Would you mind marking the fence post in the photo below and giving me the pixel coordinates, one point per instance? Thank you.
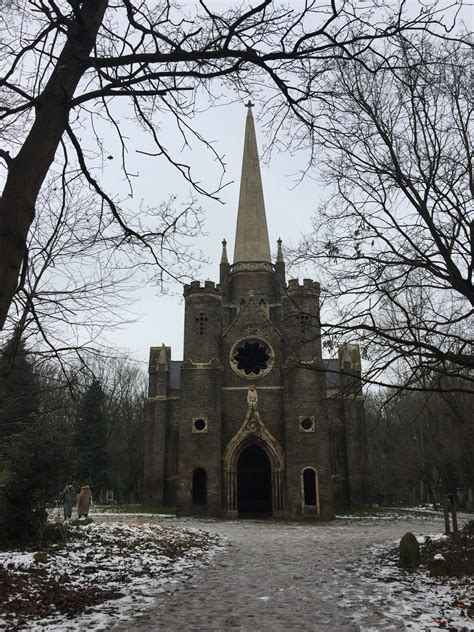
(447, 526)
(452, 502)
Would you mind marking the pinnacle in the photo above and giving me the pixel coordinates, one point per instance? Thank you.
(224, 252)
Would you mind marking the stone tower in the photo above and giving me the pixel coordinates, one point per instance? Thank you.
(253, 420)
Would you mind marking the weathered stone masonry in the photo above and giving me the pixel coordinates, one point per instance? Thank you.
(253, 420)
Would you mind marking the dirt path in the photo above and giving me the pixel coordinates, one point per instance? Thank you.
(286, 576)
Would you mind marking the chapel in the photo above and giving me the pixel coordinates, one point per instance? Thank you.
(253, 421)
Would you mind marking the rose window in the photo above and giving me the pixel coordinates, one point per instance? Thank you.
(251, 358)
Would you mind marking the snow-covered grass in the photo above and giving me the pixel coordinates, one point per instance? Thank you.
(104, 573)
(133, 509)
(384, 514)
(416, 514)
(113, 568)
(426, 603)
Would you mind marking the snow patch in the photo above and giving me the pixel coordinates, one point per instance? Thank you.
(134, 561)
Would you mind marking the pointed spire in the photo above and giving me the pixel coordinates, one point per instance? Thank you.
(251, 239)
(279, 251)
(224, 252)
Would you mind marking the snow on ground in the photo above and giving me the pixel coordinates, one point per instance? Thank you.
(416, 514)
(425, 603)
(102, 575)
(283, 576)
(275, 575)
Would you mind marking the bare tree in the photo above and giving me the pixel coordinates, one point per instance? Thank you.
(420, 446)
(125, 387)
(66, 65)
(394, 244)
(81, 279)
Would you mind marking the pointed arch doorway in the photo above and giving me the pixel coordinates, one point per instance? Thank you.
(254, 463)
(254, 483)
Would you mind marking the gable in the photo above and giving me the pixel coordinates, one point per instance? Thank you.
(251, 320)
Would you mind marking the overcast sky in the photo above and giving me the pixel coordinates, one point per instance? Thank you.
(289, 208)
(290, 203)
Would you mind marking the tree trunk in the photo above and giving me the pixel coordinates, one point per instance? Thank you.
(27, 171)
(431, 495)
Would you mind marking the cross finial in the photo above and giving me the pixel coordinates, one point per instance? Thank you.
(249, 104)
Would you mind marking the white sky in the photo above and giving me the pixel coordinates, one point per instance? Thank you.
(289, 207)
(290, 204)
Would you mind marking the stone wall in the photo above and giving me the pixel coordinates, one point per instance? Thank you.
(292, 398)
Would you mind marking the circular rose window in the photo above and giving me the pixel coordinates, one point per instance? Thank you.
(252, 358)
(307, 424)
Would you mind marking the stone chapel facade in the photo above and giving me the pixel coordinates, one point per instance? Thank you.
(253, 421)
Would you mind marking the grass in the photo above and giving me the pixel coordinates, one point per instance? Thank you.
(80, 522)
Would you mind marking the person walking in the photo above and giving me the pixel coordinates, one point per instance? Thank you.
(85, 501)
(68, 496)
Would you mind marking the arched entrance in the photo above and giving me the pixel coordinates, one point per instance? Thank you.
(254, 463)
(254, 482)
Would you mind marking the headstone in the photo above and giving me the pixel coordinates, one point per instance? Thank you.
(409, 551)
(41, 557)
(437, 566)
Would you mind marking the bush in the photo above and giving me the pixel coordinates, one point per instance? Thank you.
(80, 522)
(35, 461)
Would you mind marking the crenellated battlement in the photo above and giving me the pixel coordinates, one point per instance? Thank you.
(308, 286)
(252, 364)
(208, 287)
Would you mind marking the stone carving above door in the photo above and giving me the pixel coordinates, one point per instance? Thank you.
(253, 428)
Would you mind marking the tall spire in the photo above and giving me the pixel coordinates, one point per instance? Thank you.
(251, 239)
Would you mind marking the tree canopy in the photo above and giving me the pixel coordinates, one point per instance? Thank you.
(394, 241)
(66, 65)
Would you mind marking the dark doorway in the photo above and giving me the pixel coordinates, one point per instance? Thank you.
(254, 483)
(310, 492)
(199, 487)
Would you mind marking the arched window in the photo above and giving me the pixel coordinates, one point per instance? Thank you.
(309, 488)
(199, 486)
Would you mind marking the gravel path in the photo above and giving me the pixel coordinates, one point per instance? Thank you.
(276, 576)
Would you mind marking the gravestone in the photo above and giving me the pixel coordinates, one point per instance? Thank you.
(409, 551)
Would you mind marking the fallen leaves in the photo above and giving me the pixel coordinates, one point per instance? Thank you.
(98, 563)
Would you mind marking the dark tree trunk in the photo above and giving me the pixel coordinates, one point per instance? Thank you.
(28, 169)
